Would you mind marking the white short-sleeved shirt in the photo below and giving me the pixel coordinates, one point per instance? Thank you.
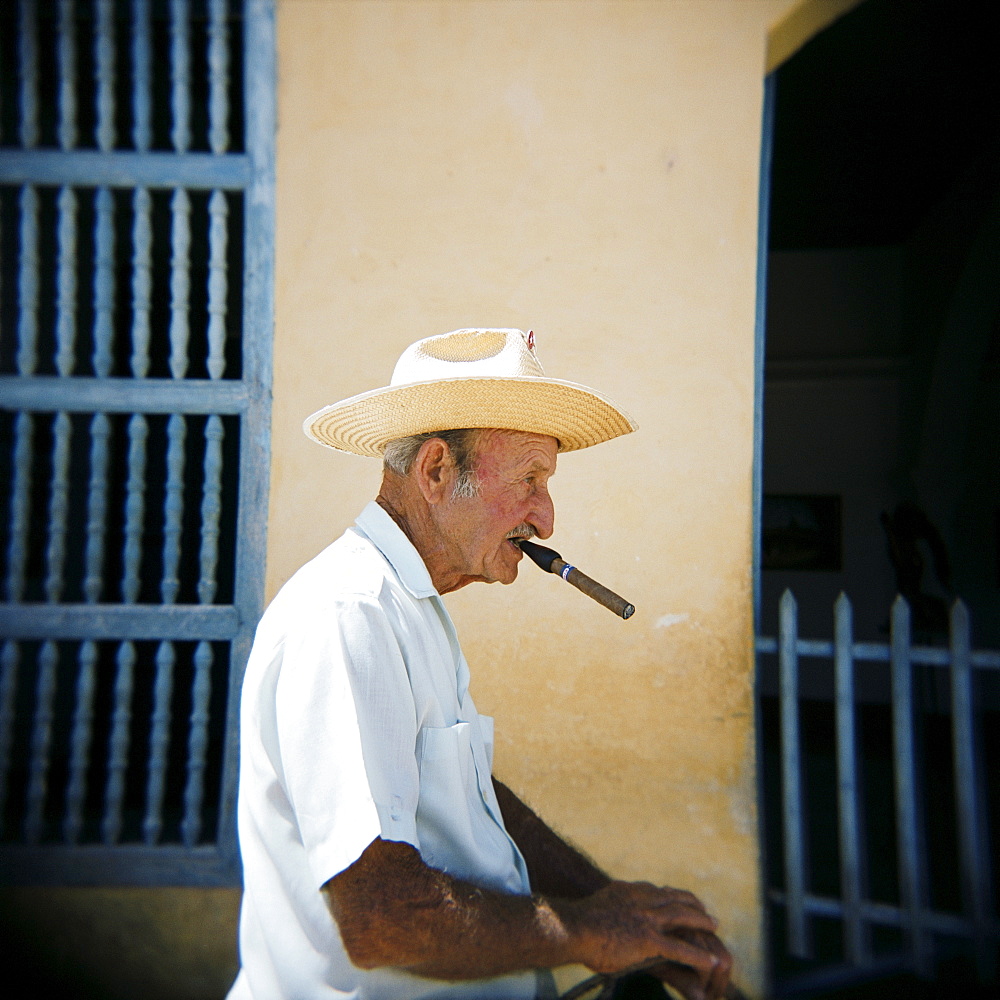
(356, 723)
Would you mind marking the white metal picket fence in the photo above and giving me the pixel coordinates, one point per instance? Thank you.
(910, 839)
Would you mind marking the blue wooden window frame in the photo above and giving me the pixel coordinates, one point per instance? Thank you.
(111, 691)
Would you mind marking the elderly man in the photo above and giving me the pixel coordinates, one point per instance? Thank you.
(381, 859)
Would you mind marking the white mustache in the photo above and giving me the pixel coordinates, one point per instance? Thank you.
(524, 531)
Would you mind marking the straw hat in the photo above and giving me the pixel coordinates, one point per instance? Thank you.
(469, 378)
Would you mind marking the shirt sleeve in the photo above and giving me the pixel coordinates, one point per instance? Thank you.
(347, 731)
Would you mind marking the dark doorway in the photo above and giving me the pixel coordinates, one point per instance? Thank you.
(882, 350)
(881, 409)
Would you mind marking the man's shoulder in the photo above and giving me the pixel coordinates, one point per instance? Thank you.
(344, 589)
(350, 568)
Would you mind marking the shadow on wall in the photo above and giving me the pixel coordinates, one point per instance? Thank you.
(118, 944)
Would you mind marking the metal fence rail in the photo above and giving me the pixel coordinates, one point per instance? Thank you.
(924, 932)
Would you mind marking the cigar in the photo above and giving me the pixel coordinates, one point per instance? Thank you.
(551, 561)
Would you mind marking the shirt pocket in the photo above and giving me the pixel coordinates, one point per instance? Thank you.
(456, 830)
(486, 729)
(447, 767)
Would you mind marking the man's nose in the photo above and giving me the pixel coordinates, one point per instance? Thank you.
(543, 516)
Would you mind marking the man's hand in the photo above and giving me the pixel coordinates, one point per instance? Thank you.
(630, 923)
(694, 984)
(558, 870)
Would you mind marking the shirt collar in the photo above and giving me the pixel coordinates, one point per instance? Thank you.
(383, 532)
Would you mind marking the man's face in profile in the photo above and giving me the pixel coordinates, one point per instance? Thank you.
(511, 470)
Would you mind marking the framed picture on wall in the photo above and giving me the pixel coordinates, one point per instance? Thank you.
(801, 532)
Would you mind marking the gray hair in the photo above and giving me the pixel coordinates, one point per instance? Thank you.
(399, 455)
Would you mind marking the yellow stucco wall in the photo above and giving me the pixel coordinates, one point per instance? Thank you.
(590, 171)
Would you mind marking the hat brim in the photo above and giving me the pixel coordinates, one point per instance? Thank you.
(576, 415)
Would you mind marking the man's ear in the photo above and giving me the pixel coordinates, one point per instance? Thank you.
(434, 471)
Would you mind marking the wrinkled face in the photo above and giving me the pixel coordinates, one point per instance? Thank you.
(512, 471)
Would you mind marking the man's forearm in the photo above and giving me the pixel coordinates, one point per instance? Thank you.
(555, 867)
(394, 910)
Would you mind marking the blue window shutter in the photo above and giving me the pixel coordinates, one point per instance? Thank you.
(136, 311)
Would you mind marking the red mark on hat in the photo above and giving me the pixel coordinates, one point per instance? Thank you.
(531, 340)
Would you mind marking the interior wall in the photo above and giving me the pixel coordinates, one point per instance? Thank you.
(834, 387)
(850, 350)
(590, 171)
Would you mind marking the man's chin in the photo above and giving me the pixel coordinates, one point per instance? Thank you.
(508, 570)
(506, 577)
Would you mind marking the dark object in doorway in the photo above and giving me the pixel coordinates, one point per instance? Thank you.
(800, 532)
(910, 535)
